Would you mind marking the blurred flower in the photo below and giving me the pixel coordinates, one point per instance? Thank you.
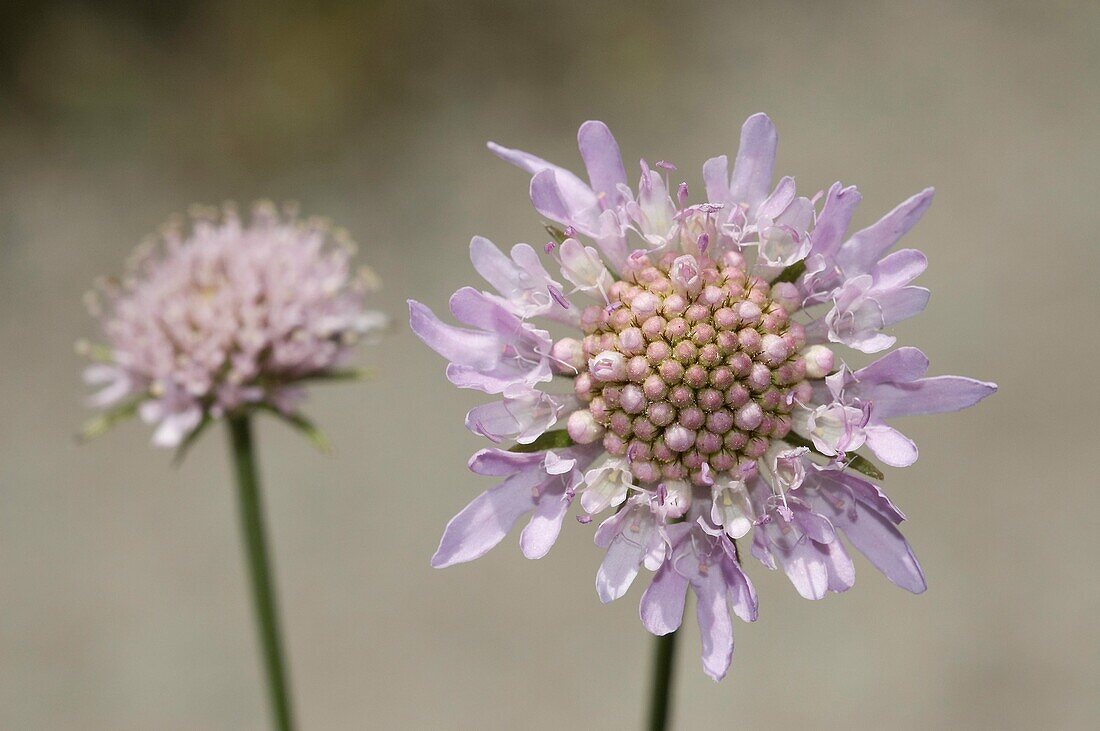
(708, 398)
(226, 317)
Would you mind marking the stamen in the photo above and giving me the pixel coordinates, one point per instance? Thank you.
(558, 296)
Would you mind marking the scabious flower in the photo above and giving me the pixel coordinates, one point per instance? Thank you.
(227, 316)
(700, 395)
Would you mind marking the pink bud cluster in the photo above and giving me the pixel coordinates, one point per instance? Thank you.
(692, 369)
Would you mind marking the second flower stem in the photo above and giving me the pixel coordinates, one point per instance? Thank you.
(660, 701)
(263, 584)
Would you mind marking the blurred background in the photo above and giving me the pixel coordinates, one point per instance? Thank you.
(123, 598)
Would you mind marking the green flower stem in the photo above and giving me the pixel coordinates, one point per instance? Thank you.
(660, 701)
(263, 585)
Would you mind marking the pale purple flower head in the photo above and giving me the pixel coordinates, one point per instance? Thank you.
(224, 316)
(698, 391)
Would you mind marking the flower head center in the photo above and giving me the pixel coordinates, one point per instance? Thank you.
(693, 369)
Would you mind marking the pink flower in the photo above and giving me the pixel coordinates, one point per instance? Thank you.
(228, 316)
(703, 380)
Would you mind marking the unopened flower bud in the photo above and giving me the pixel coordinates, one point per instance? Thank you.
(567, 356)
(608, 366)
(774, 349)
(749, 416)
(679, 438)
(631, 341)
(787, 296)
(819, 361)
(583, 428)
(684, 274)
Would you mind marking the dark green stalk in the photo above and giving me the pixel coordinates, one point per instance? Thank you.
(263, 584)
(660, 700)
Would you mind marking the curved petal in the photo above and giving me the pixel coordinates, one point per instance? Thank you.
(934, 395)
(859, 253)
(611, 240)
(502, 463)
(494, 266)
(620, 565)
(836, 215)
(742, 593)
(551, 201)
(715, 626)
(483, 523)
(901, 365)
(539, 535)
(842, 572)
(890, 445)
(716, 179)
(805, 565)
(662, 605)
(875, 536)
(899, 268)
(901, 304)
(779, 199)
(574, 191)
(475, 308)
(752, 169)
(478, 350)
(602, 159)
(627, 550)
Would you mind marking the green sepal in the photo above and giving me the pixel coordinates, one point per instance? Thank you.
(95, 352)
(555, 233)
(557, 439)
(102, 423)
(303, 426)
(190, 440)
(791, 273)
(857, 462)
(350, 374)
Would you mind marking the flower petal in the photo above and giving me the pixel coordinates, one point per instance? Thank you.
(478, 350)
(901, 365)
(836, 215)
(752, 169)
(620, 565)
(934, 395)
(539, 535)
(805, 565)
(494, 266)
(716, 179)
(859, 253)
(890, 445)
(899, 268)
(626, 551)
(662, 605)
(875, 536)
(742, 593)
(901, 304)
(574, 192)
(778, 201)
(715, 625)
(603, 161)
(502, 463)
(483, 523)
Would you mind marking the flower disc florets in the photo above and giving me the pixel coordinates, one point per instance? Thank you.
(692, 369)
(228, 316)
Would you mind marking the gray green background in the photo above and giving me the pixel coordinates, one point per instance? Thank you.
(123, 601)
